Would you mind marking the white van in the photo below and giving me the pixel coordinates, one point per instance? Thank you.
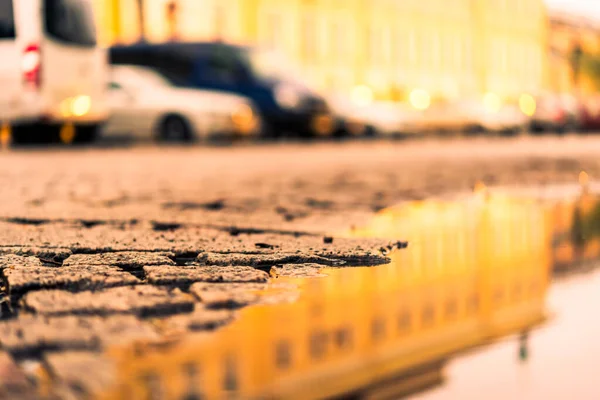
(52, 72)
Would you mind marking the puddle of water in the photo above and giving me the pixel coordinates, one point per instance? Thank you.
(473, 271)
(563, 355)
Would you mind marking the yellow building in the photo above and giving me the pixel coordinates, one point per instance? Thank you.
(565, 34)
(459, 48)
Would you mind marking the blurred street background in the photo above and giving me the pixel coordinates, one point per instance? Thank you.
(187, 70)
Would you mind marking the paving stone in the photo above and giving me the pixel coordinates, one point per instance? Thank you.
(170, 275)
(309, 270)
(271, 243)
(201, 319)
(21, 279)
(139, 300)
(230, 299)
(80, 374)
(13, 260)
(124, 259)
(31, 334)
(263, 260)
(47, 255)
(13, 380)
(236, 295)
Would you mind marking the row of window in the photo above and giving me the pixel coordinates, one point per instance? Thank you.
(342, 339)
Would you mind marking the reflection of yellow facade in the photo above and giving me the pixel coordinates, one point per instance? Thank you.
(472, 272)
(449, 48)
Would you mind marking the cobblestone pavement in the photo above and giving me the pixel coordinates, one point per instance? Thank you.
(107, 246)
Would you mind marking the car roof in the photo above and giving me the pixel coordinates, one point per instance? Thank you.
(184, 47)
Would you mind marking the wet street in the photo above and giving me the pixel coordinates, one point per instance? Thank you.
(562, 360)
(101, 248)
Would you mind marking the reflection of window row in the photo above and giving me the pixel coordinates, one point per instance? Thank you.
(155, 389)
(405, 323)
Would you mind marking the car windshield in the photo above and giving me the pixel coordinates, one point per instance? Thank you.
(140, 77)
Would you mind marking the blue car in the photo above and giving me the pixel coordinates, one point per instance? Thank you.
(287, 105)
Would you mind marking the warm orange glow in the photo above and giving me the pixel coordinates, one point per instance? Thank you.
(5, 135)
(472, 271)
(67, 133)
(583, 178)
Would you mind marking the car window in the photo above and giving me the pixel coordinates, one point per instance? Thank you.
(7, 20)
(70, 21)
(172, 65)
(223, 66)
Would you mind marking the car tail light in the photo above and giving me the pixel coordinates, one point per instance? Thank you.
(31, 66)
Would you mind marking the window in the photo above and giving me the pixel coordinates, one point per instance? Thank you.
(378, 329)
(273, 30)
(412, 47)
(318, 345)
(70, 21)
(404, 322)
(153, 386)
(451, 308)
(223, 67)
(230, 378)
(435, 50)
(373, 45)
(339, 41)
(428, 315)
(343, 338)
(309, 39)
(7, 20)
(283, 355)
(174, 63)
(114, 86)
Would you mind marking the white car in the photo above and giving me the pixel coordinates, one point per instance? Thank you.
(52, 72)
(505, 118)
(144, 104)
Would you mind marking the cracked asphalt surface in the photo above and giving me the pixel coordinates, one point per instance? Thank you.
(106, 246)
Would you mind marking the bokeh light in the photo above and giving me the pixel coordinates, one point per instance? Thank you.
(362, 95)
(420, 99)
(527, 104)
(492, 102)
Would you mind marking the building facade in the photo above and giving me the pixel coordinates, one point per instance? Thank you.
(567, 34)
(452, 49)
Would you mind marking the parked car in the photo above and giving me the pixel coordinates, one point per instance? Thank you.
(502, 118)
(590, 114)
(557, 113)
(286, 103)
(350, 121)
(146, 104)
(52, 72)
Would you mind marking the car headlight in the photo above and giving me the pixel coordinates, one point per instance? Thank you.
(287, 96)
(244, 119)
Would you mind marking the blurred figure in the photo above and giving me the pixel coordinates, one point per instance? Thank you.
(145, 104)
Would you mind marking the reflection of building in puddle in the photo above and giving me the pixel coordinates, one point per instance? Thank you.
(473, 271)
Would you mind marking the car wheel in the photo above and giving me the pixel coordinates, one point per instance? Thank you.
(174, 128)
(35, 134)
(86, 134)
(269, 132)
